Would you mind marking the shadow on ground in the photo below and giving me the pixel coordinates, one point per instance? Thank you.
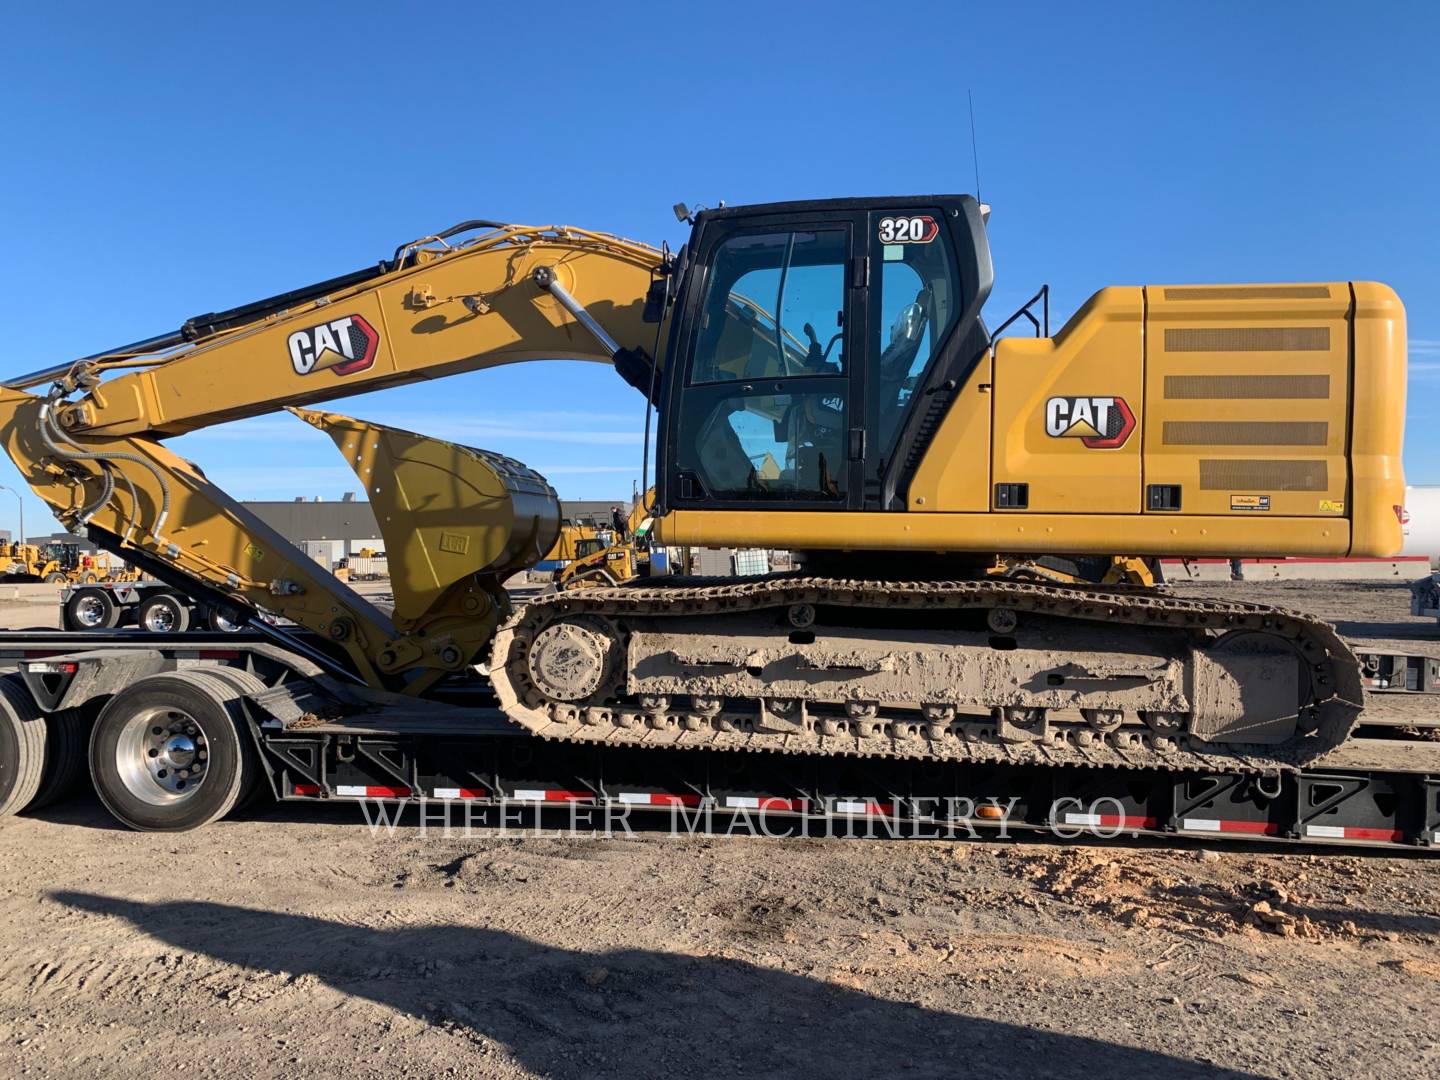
(633, 1012)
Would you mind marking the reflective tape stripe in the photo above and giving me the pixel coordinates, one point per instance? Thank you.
(459, 793)
(1353, 832)
(356, 791)
(532, 795)
(1111, 821)
(654, 798)
(753, 802)
(851, 806)
(1255, 828)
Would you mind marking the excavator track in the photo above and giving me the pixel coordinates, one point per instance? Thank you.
(968, 671)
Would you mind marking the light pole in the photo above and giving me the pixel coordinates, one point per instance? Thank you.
(21, 501)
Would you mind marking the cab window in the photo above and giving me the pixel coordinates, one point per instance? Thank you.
(774, 308)
(765, 406)
(916, 304)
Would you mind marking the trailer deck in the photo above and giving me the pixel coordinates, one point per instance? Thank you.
(1381, 789)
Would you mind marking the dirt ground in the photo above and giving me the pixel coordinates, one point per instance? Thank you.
(297, 942)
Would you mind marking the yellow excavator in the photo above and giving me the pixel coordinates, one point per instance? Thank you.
(824, 383)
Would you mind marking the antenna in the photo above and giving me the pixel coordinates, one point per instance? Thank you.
(974, 153)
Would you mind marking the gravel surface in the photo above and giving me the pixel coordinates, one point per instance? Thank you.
(296, 942)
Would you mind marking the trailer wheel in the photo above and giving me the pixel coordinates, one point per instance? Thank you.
(92, 609)
(225, 620)
(164, 613)
(65, 745)
(169, 752)
(22, 747)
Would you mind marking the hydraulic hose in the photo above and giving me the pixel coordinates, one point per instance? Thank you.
(50, 430)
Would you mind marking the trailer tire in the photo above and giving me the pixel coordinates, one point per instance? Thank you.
(65, 751)
(92, 609)
(164, 613)
(150, 736)
(22, 747)
(245, 683)
(224, 620)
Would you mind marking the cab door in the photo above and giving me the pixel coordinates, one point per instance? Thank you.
(765, 408)
(916, 299)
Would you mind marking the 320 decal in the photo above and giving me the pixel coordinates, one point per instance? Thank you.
(916, 229)
(344, 345)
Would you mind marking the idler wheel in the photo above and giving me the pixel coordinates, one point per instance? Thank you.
(570, 661)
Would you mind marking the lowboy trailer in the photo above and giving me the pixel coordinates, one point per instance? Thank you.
(179, 729)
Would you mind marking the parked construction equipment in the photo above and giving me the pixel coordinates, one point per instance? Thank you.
(825, 384)
(59, 563)
(610, 558)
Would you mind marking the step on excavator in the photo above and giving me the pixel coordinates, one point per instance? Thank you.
(823, 382)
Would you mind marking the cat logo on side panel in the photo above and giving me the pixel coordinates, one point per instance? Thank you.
(1101, 423)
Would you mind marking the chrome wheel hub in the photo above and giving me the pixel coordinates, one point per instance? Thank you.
(90, 611)
(160, 620)
(162, 756)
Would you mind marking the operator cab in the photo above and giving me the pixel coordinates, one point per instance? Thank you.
(815, 346)
(586, 547)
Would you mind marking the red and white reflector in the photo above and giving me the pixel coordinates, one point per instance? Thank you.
(1214, 825)
(1110, 821)
(547, 795)
(454, 793)
(656, 798)
(761, 802)
(1353, 832)
(371, 791)
(865, 806)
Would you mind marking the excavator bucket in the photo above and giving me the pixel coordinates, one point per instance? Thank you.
(446, 512)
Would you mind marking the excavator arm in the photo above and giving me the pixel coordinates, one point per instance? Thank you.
(456, 520)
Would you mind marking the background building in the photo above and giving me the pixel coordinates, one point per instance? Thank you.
(331, 531)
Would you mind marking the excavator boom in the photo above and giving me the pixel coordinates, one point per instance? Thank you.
(457, 520)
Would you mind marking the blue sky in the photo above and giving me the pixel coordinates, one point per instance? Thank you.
(161, 161)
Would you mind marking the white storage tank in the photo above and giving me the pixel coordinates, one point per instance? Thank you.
(1422, 531)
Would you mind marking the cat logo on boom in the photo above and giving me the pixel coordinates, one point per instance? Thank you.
(1101, 423)
(344, 345)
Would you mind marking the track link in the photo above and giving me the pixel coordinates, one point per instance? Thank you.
(618, 717)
